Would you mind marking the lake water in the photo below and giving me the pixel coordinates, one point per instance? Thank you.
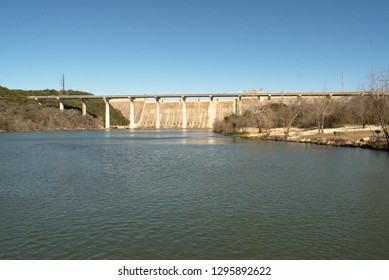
(188, 194)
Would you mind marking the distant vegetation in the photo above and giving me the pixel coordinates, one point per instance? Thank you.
(318, 113)
(18, 113)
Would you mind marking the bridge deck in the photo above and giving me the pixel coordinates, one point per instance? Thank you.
(202, 95)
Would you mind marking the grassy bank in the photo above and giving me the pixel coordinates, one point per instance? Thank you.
(19, 113)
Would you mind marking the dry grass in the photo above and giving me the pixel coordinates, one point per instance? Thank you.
(353, 135)
(347, 133)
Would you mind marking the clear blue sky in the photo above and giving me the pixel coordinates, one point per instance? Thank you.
(192, 46)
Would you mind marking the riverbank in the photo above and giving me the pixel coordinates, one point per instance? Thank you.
(370, 137)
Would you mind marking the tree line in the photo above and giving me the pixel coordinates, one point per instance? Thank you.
(371, 108)
(18, 113)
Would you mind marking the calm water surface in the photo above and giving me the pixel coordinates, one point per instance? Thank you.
(188, 194)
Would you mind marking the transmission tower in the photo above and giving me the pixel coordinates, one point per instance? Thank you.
(63, 84)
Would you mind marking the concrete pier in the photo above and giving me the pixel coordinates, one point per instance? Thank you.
(132, 113)
(184, 114)
(61, 107)
(239, 105)
(83, 107)
(107, 119)
(157, 114)
(211, 119)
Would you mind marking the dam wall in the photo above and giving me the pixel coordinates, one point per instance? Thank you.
(200, 113)
(124, 106)
(190, 110)
(193, 113)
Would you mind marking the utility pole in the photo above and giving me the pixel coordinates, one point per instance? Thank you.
(342, 82)
(63, 84)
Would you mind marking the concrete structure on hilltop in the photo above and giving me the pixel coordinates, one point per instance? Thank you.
(188, 110)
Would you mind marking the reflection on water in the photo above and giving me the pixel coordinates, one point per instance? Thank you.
(188, 194)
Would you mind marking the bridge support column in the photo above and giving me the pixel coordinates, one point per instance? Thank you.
(239, 105)
(83, 107)
(184, 116)
(269, 98)
(211, 112)
(157, 117)
(61, 107)
(299, 98)
(132, 113)
(107, 119)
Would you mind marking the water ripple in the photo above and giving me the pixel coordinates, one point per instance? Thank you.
(188, 195)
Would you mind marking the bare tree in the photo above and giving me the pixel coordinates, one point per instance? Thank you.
(260, 115)
(322, 108)
(289, 114)
(379, 88)
(360, 110)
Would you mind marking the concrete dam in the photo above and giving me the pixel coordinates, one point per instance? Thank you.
(188, 110)
(170, 114)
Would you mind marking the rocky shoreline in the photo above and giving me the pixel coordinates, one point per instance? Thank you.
(351, 136)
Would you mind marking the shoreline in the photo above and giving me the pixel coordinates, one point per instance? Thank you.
(347, 136)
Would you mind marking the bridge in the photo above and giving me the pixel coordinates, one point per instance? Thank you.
(184, 112)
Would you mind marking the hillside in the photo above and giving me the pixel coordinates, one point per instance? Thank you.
(18, 113)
